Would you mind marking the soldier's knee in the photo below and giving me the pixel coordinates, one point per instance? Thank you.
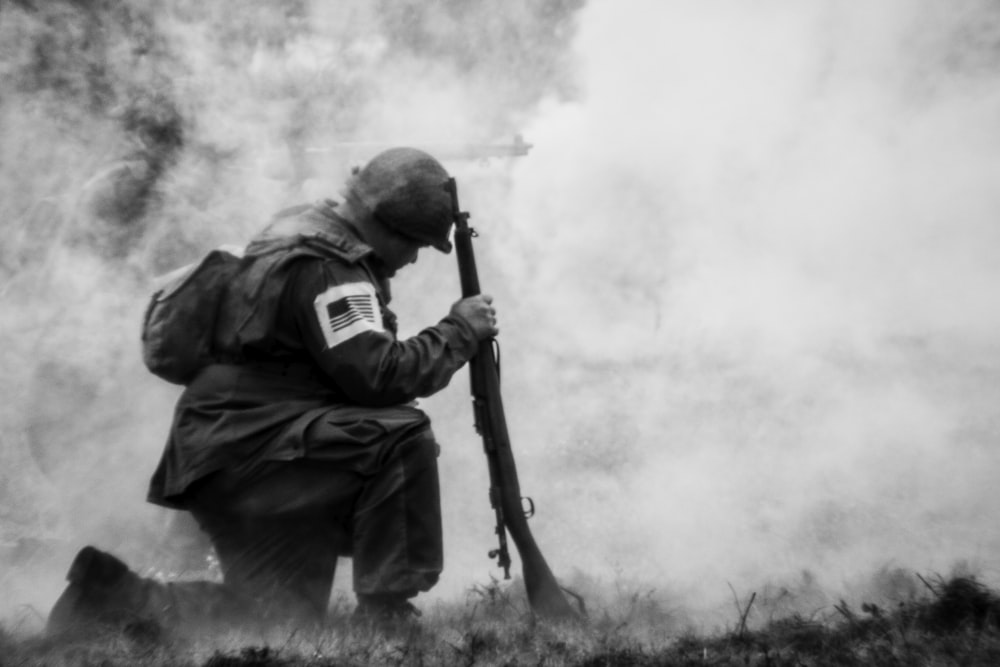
(421, 451)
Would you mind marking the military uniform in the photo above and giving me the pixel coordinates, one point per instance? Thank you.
(303, 443)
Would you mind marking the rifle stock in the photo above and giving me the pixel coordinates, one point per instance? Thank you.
(545, 595)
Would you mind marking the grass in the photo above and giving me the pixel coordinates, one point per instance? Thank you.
(954, 622)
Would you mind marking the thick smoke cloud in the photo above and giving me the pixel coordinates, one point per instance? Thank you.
(757, 254)
(208, 117)
(744, 275)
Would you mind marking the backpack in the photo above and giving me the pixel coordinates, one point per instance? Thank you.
(179, 325)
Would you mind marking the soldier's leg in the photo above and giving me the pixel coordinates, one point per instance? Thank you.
(103, 593)
(396, 529)
(278, 535)
(396, 519)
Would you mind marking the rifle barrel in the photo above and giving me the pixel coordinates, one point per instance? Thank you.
(443, 151)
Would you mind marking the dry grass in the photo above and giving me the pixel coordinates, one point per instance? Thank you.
(956, 622)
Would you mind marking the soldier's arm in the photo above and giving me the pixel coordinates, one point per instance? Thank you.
(338, 316)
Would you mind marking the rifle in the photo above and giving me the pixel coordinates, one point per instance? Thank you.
(544, 594)
(443, 151)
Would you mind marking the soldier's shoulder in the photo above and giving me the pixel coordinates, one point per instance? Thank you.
(312, 229)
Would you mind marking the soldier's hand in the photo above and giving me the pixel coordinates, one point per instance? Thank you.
(479, 313)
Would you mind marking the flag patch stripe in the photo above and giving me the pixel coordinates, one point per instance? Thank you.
(344, 311)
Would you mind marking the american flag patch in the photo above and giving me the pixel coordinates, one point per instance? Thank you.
(344, 311)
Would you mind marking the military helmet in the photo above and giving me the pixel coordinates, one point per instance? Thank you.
(404, 189)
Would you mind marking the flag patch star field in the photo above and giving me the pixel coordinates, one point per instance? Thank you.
(344, 311)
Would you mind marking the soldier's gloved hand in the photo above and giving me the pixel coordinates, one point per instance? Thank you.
(477, 311)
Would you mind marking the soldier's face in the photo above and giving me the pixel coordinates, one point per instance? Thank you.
(395, 250)
(403, 254)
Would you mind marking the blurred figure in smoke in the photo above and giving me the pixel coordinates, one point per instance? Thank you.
(113, 204)
(306, 443)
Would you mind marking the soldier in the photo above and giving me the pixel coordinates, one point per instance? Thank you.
(306, 442)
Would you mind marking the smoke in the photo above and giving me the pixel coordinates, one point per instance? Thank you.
(755, 259)
(744, 275)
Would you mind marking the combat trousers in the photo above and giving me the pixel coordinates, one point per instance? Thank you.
(278, 532)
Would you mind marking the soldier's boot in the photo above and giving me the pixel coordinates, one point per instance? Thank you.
(105, 595)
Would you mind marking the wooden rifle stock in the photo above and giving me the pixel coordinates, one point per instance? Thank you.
(545, 596)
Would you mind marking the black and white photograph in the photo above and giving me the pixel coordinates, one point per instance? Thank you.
(534, 332)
